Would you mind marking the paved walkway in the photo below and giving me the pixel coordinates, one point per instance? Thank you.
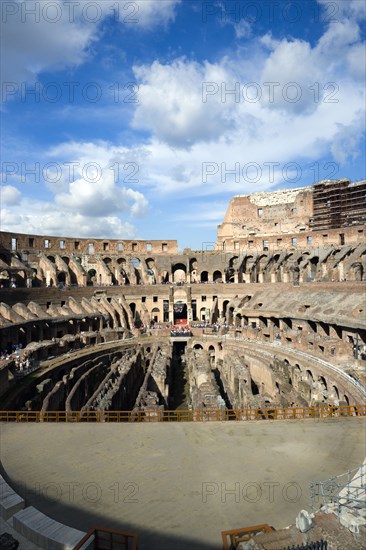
(178, 485)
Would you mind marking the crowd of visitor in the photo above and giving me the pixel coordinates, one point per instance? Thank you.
(23, 364)
(180, 330)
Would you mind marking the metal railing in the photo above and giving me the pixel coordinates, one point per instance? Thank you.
(347, 489)
(231, 538)
(198, 415)
(108, 539)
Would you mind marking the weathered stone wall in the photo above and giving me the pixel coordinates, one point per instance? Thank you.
(289, 218)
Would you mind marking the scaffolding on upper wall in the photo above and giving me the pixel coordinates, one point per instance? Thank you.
(338, 204)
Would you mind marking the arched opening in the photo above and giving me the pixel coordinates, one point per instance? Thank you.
(323, 382)
(150, 270)
(224, 307)
(91, 278)
(230, 316)
(179, 273)
(155, 314)
(197, 346)
(193, 269)
(61, 277)
(203, 314)
(125, 278)
(314, 267)
(211, 354)
(135, 262)
(204, 277)
(217, 276)
(309, 376)
(254, 387)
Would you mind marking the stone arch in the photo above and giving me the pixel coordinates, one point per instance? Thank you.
(62, 277)
(204, 276)
(313, 262)
(323, 381)
(91, 277)
(155, 314)
(193, 270)
(150, 270)
(136, 269)
(224, 307)
(309, 376)
(230, 315)
(164, 276)
(217, 276)
(179, 271)
(254, 387)
(356, 271)
(231, 269)
(212, 353)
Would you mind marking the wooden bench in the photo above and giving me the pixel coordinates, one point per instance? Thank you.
(10, 501)
(46, 532)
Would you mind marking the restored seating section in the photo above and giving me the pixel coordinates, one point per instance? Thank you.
(10, 501)
(46, 532)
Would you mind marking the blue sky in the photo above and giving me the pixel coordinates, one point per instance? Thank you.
(141, 119)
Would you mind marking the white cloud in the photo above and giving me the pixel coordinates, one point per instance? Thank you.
(153, 13)
(32, 44)
(171, 102)
(345, 144)
(9, 195)
(43, 218)
(95, 200)
(337, 10)
(40, 36)
(243, 29)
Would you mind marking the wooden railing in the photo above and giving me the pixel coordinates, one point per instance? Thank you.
(108, 539)
(231, 539)
(199, 415)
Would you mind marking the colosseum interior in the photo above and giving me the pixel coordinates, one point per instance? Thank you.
(189, 380)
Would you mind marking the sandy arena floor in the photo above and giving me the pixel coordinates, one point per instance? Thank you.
(177, 485)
